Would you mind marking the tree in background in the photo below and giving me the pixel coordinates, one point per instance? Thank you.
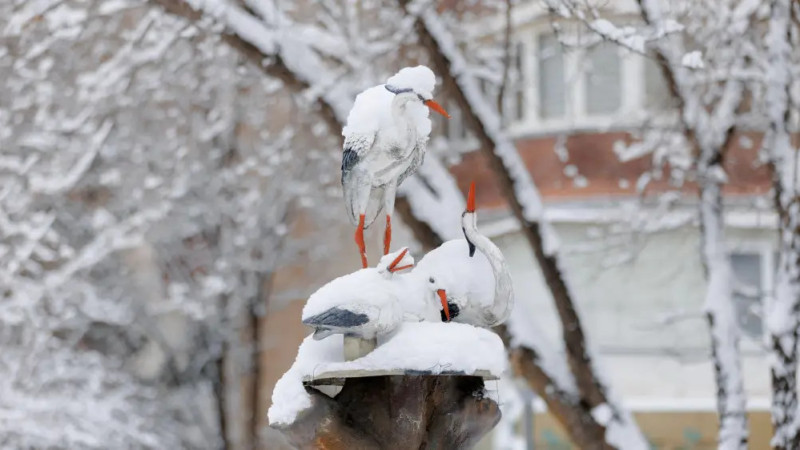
(728, 66)
(146, 197)
(294, 41)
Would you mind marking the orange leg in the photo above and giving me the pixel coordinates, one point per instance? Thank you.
(362, 248)
(387, 236)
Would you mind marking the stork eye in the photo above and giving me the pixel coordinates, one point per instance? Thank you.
(420, 98)
(431, 280)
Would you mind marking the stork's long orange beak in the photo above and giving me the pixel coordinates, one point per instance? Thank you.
(443, 297)
(436, 107)
(393, 266)
(471, 198)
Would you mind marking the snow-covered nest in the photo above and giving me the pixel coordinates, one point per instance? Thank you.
(426, 347)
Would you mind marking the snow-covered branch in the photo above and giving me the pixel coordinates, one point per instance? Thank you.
(781, 310)
(526, 205)
(273, 43)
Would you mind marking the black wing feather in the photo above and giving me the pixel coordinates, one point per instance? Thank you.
(349, 160)
(337, 318)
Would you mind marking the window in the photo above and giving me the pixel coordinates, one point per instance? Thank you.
(603, 79)
(552, 98)
(514, 102)
(656, 92)
(748, 291)
(455, 128)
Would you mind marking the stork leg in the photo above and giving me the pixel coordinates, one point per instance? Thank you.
(388, 203)
(362, 248)
(387, 235)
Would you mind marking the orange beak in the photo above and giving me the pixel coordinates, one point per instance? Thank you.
(471, 198)
(393, 266)
(443, 298)
(436, 107)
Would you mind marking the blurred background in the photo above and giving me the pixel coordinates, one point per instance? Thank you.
(170, 197)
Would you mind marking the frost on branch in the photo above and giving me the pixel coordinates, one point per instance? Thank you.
(134, 219)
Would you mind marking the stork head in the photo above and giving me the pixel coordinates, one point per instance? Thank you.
(410, 95)
(448, 308)
(415, 84)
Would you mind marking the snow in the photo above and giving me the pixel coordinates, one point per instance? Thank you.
(693, 60)
(626, 36)
(419, 78)
(300, 53)
(602, 414)
(372, 111)
(524, 189)
(361, 292)
(513, 400)
(441, 207)
(463, 276)
(425, 346)
(781, 317)
(388, 299)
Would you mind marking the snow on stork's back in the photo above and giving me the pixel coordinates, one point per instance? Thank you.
(464, 276)
(372, 110)
(365, 291)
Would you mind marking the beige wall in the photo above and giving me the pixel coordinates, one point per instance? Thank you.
(674, 430)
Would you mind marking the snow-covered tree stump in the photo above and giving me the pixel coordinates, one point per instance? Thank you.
(398, 411)
(421, 387)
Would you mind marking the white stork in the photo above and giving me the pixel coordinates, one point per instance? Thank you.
(473, 288)
(384, 142)
(451, 283)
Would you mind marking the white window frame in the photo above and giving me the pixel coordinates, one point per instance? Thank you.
(630, 114)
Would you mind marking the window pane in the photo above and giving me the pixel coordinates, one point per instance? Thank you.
(551, 77)
(603, 79)
(748, 292)
(656, 93)
(514, 101)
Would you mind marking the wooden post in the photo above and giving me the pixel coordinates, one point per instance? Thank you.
(356, 347)
(397, 411)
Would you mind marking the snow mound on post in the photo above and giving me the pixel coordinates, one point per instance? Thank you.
(427, 347)
(289, 397)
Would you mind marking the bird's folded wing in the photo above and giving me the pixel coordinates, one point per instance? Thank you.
(358, 145)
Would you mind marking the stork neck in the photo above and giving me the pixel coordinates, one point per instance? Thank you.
(401, 119)
(503, 293)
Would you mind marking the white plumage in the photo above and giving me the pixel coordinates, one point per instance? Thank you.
(385, 142)
(369, 302)
(452, 282)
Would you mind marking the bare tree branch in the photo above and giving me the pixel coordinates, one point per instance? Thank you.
(520, 193)
(273, 65)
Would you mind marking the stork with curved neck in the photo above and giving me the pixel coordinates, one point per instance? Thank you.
(457, 276)
(503, 302)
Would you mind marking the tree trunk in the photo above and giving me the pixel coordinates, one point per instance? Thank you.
(402, 412)
(274, 66)
(568, 409)
(525, 202)
(781, 312)
(731, 405)
(708, 147)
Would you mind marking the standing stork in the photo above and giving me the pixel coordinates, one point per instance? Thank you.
(384, 142)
